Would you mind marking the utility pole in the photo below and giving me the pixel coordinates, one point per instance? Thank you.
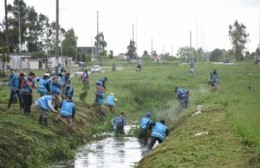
(97, 36)
(259, 32)
(6, 28)
(20, 41)
(57, 37)
(133, 30)
(151, 45)
(97, 23)
(197, 33)
(190, 44)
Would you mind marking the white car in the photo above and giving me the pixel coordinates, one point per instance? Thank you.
(96, 69)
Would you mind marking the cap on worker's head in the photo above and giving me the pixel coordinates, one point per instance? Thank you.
(112, 94)
(163, 121)
(47, 74)
(148, 114)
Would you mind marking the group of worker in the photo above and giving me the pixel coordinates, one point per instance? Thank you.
(49, 89)
(156, 131)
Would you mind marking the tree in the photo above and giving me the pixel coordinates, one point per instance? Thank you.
(257, 52)
(111, 54)
(146, 54)
(216, 54)
(131, 50)
(184, 53)
(100, 44)
(238, 38)
(4, 57)
(69, 44)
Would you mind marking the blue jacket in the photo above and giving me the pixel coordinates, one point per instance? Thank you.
(159, 131)
(100, 97)
(85, 76)
(181, 92)
(110, 100)
(13, 81)
(68, 91)
(64, 80)
(67, 108)
(144, 122)
(117, 121)
(101, 82)
(43, 86)
(43, 102)
(55, 88)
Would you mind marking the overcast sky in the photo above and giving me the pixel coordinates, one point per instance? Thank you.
(165, 22)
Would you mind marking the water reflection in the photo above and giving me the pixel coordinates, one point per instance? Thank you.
(110, 152)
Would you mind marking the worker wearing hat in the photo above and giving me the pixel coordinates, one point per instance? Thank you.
(111, 102)
(144, 133)
(119, 122)
(44, 84)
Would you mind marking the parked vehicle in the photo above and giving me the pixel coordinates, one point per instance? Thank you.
(96, 69)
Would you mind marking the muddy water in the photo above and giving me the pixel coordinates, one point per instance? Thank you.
(109, 152)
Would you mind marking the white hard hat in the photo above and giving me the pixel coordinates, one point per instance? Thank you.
(47, 74)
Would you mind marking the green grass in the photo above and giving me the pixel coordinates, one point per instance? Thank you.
(231, 117)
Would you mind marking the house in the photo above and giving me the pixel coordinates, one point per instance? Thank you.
(26, 62)
(63, 62)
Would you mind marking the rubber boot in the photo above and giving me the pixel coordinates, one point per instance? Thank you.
(45, 121)
(40, 119)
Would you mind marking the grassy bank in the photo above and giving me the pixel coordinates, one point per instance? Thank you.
(231, 117)
(26, 143)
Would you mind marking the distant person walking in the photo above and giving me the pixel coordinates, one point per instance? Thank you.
(191, 66)
(159, 132)
(85, 79)
(139, 64)
(213, 80)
